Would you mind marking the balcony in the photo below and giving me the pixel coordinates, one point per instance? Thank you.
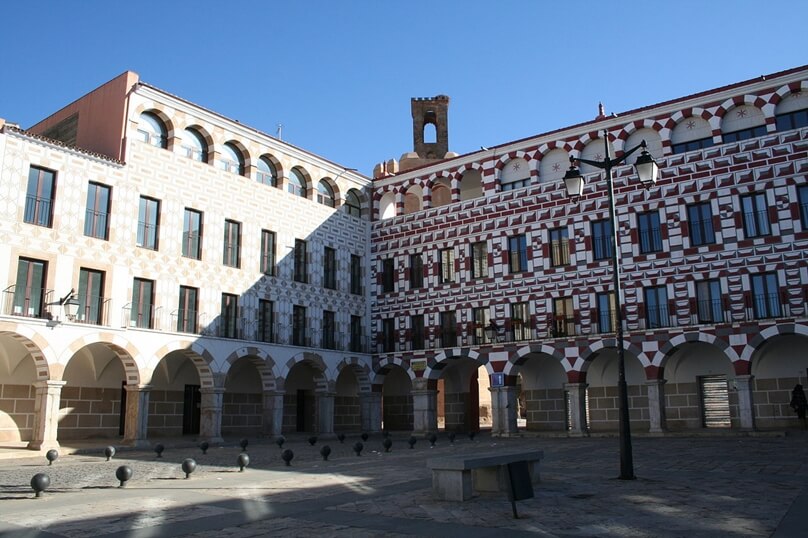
(27, 302)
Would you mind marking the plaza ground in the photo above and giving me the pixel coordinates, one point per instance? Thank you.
(725, 485)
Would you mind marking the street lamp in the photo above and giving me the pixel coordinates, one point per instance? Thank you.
(647, 170)
(70, 306)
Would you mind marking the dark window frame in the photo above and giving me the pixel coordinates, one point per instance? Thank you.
(148, 223)
(40, 196)
(231, 251)
(517, 253)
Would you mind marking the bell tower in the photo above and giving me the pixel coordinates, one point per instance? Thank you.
(430, 113)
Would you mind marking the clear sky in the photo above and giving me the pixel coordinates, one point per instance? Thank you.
(339, 75)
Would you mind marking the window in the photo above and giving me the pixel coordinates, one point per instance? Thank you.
(416, 271)
(148, 223)
(194, 146)
(266, 321)
(802, 194)
(228, 325)
(479, 260)
(388, 335)
(267, 252)
(792, 120)
(559, 247)
(325, 194)
(517, 253)
(30, 293)
(192, 234)
(755, 215)
(480, 316)
(330, 268)
(743, 134)
(296, 183)
(352, 204)
(700, 220)
(265, 172)
(520, 322)
(356, 274)
(417, 331)
(691, 145)
(96, 216)
(39, 197)
(649, 232)
(151, 130)
(387, 275)
(187, 312)
(447, 266)
(300, 270)
(230, 159)
(298, 325)
(515, 175)
(607, 314)
(141, 310)
(231, 255)
(656, 307)
(448, 329)
(329, 330)
(765, 296)
(563, 317)
(356, 334)
(708, 301)
(90, 297)
(602, 238)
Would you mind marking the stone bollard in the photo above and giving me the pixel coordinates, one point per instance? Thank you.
(287, 456)
(325, 451)
(158, 449)
(341, 438)
(411, 441)
(313, 440)
(243, 460)
(109, 452)
(204, 446)
(280, 440)
(432, 438)
(243, 444)
(51, 455)
(123, 474)
(387, 443)
(39, 483)
(358, 446)
(188, 466)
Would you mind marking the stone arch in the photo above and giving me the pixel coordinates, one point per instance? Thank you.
(38, 347)
(168, 123)
(766, 334)
(518, 357)
(387, 205)
(196, 353)
(665, 351)
(242, 152)
(740, 100)
(260, 359)
(276, 164)
(322, 383)
(360, 370)
(122, 348)
(383, 367)
(784, 91)
(306, 182)
(441, 360)
(587, 353)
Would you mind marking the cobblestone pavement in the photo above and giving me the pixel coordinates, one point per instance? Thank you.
(694, 486)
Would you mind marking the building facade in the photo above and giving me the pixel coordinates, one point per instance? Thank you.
(173, 272)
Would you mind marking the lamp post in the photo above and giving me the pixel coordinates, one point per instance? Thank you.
(647, 170)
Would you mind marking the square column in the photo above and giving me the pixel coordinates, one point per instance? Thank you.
(503, 411)
(272, 417)
(137, 415)
(746, 407)
(577, 409)
(325, 413)
(371, 411)
(210, 421)
(46, 415)
(424, 407)
(656, 405)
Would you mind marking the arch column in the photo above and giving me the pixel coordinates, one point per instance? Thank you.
(210, 420)
(46, 415)
(136, 421)
(503, 411)
(424, 407)
(325, 413)
(745, 403)
(371, 411)
(577, 409)
(656, 405)
(272, 416)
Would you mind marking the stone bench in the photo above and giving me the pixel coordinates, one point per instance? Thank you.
(456, 478)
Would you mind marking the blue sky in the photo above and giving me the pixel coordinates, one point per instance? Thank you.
(339, 75)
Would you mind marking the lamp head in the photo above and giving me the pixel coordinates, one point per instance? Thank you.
(573, 180)
(647, 168)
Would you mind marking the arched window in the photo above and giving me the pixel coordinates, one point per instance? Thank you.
(325, 194)
(441, 192)
(471, 185)
(515, 175)
(387, 206)
(353, 205)
(151, 130)
(430, 133)
(194, 146)
(741, 123)
(266, 172)
(230, 159)
(792, 112)
(690, 134)
(413, 199)
(297, 183)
